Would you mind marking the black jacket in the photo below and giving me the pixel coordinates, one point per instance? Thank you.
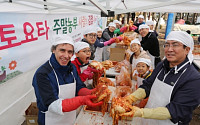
(150, 43)
(185, 96)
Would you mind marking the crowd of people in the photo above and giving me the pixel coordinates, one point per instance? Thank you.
(171, 85)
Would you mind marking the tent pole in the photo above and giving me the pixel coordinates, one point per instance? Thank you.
(170, 24)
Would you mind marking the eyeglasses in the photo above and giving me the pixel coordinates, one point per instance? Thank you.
(133, 46)
(92, 36)
(173, 45)
(86, 51)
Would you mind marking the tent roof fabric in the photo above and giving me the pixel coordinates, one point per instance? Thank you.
(89, 6)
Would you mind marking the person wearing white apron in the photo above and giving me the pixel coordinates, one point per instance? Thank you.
(83, 53)
(90, 36)
(150, 44)
(173, 87)
(143, 72)
(66, 91)
(159, 100)
(98, 54)
(107, 34)
(99, 45)
(137, 52)
(142, 67)
(58, 88)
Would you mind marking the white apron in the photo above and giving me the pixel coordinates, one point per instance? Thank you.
(87, 82)
(65, 91)
(106, 53)
(83, 68)
(139, 81)
(160, 95)
(98, 54)
(133, 63)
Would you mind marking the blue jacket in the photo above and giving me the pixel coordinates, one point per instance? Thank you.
(46, 87)
(150, 43)
(185, 96)
(99, 42)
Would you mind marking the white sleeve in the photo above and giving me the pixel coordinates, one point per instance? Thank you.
(56, 107)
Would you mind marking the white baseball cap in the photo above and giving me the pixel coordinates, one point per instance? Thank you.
(135, 41)
(185, 39)
(116, 21)
(141, 16)
(80, 45)
(143, 26)
(99, 29)
(112, 24)
(62, 38)
(144, 60)
(90, 29)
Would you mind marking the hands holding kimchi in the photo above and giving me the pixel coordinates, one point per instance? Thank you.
(122, 107)
(124, 103)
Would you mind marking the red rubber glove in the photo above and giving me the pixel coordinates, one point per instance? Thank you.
(85, 91)
(92, 69)
(109, 42)
(88, 72)
(73, 103)
(120, 38)
(132, 28)
(123, 29)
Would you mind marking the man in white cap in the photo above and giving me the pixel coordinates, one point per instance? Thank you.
(58, 88)
(150, 44)
(150, 23)
(108, 33)
(140, 22)
(90, 36)
(173, 87)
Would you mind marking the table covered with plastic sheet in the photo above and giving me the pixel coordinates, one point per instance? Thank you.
(97, 118)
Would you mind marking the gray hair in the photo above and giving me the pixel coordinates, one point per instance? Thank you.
(53, 47)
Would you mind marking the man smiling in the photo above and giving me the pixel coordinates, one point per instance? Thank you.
(90, 36)
(173, 87)
(150, 44)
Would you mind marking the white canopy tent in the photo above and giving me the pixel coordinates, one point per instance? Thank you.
(10, 108)
(96, 6)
